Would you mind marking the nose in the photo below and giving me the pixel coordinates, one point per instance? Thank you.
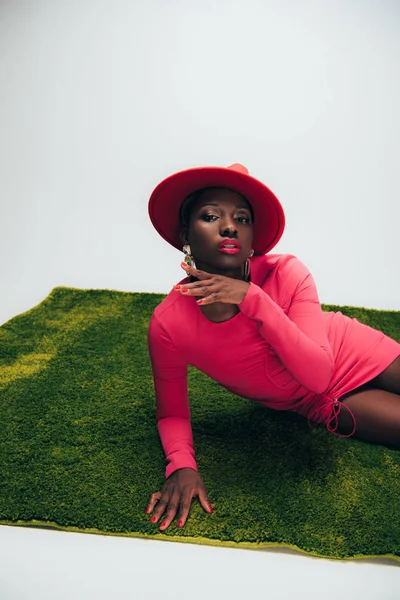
(228, 227)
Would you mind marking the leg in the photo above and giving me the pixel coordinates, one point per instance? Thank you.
(389, 379)
(377, 415)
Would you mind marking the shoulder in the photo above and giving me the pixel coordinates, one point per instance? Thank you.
(278, 265)
(286, 269)
(291, 266)
(166, 314)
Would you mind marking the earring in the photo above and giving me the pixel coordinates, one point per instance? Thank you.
(247, 268)
(189, 260)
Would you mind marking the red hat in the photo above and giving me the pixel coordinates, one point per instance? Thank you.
(166, 200)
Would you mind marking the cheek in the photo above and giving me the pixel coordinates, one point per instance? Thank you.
(246, 234)
(203, 232)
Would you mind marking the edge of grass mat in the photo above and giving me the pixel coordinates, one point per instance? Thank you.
(192, 540)
(104, 290)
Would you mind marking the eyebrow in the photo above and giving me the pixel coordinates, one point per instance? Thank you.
(217, 205)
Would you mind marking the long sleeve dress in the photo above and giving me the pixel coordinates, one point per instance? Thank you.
(280, 350)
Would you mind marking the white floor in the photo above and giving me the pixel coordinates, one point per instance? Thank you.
(100, 100)
(44, 564)
(51, 565)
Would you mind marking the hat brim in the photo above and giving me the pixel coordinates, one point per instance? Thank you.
(166, 200)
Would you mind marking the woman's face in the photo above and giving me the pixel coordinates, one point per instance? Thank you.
(217, 215)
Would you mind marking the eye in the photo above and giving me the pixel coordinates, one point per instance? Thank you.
(214, 217)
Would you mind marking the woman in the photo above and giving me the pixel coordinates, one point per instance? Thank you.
(253, 322)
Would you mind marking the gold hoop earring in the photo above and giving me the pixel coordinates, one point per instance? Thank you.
(247, 270)
(247, 267)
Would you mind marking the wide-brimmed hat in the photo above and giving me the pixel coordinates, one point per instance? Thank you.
(166, 200)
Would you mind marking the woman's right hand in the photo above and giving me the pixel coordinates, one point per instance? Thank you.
(177, 492)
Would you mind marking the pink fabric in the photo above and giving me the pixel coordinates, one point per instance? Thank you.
(280, 350)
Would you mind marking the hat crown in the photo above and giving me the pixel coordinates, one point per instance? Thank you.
(238, 167)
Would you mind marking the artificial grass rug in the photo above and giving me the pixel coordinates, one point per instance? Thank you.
(79, 447)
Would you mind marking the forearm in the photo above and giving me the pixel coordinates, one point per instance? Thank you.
(310, 363)
(177, 441)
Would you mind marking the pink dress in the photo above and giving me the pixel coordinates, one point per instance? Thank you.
(280, 350)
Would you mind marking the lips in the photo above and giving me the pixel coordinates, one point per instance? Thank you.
(228, 246)
(234, 250)
(233, 243)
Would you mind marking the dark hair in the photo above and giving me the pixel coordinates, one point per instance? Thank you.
(188, 203)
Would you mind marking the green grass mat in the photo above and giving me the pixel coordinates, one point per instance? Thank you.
(79, 447)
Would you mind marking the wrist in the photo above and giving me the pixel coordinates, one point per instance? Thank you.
(246, 287)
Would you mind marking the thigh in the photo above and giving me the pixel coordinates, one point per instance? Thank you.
(377, 415)
(389, 379)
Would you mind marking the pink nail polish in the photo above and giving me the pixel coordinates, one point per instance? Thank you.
(180, 523)
(163, 524)
(153, 519)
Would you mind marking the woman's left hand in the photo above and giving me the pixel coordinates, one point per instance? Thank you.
(214, 288)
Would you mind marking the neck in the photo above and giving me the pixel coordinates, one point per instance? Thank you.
(238, 273)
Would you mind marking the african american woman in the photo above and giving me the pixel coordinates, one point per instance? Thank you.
(252, 321)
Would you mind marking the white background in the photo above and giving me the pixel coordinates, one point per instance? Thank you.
(101, 100)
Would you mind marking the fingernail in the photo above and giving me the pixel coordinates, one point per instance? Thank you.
(163, 524)
(184, 290)
(153, 519)
(177, 287)
(180, 523)
(184, 265)
(147, 510)
(210, 507)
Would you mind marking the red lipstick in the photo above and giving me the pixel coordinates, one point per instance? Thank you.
(229, 246)
(229, 250)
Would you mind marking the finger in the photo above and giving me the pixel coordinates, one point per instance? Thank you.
(207, 299)
(152, 502)
(196, 289)
(184, 508)
(201, 283)
(161, 506)
(204, 500)
(172, 508)
(195, 272)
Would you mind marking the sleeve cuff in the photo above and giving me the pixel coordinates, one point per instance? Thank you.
(180, 462)
(246, 304)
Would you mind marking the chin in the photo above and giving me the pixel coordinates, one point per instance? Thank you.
(224, 262)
